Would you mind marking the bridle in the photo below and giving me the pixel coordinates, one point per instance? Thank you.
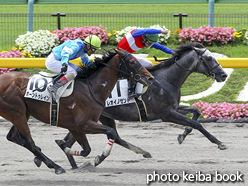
(128, 72)
(210, 69)
(124, 63)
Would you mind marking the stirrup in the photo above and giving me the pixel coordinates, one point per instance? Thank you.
(134, 95)
(52, 90)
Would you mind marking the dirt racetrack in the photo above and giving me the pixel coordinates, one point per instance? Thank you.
(196, 162)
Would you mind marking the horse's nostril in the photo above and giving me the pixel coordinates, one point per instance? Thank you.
(224, 76)
(151, 79)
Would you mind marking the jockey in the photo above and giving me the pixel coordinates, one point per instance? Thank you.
(58, 60)
(137, 39)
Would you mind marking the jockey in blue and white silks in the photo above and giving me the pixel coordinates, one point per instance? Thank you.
(58, 60)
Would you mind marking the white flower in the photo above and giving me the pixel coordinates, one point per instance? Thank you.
(246, 37)
(38, 43)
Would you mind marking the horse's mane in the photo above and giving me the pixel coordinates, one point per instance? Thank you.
(86, 71)
(182, 49)
(179, 51)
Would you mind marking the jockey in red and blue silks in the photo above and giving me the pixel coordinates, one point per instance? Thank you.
(135, 40)
(138, 39)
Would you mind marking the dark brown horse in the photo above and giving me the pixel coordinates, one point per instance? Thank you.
(78, 113)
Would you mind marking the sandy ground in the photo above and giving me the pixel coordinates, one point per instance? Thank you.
(190, 162)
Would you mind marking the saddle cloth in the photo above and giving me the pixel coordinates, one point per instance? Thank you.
(119, 95)
(37, 89)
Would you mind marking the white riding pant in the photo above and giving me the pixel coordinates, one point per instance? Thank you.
(55, 65)
(144, 62)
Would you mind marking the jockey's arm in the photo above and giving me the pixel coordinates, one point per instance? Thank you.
(67, 52)
(162, 48)
(85, 60)
(141, 32)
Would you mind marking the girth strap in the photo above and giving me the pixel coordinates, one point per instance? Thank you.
(141, 110)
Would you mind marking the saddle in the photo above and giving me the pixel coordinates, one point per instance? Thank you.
(37, 89)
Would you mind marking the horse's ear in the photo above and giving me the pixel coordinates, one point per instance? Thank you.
(119, 51)
(196, 49)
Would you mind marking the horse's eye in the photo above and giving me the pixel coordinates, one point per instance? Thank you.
(209, 58)
(132, 63)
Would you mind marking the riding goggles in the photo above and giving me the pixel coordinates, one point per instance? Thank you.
(93, 50)
(147, 43)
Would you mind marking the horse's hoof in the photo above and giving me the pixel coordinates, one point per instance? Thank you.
(147, 155)
(37, 161)
(60, 170)
(180, 139)
(99, 159)
(222, 147)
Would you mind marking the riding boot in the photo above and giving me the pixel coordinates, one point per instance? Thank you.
(62, 81)
(132, 89)
(53, 88)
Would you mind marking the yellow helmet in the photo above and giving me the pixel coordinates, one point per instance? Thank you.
(94, 41)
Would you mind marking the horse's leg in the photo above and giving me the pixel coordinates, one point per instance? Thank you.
(15, 136)
(183, 109)
(92, 127)
(178, 118)
(68, 141)
(111, 123)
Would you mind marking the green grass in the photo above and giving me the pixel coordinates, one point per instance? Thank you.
(236, 8)
(15, 25)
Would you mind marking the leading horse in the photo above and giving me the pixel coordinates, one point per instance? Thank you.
(163, 96)
(78, 113)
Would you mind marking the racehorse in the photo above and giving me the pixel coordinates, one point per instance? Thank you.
(163, 96)
(78, 113)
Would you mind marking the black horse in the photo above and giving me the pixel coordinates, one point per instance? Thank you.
(163, 96)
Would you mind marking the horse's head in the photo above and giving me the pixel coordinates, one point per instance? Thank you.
(208, 65)
(131, 68)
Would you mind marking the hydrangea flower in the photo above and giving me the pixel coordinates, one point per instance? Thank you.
(38, 43)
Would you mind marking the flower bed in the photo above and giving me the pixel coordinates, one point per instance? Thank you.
(82, 33)
(38, 43)
(222, 110)
(14, 53)
(207, 35)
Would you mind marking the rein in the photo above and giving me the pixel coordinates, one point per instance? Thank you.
(201, 60)
(137, 77)
(132, 74)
